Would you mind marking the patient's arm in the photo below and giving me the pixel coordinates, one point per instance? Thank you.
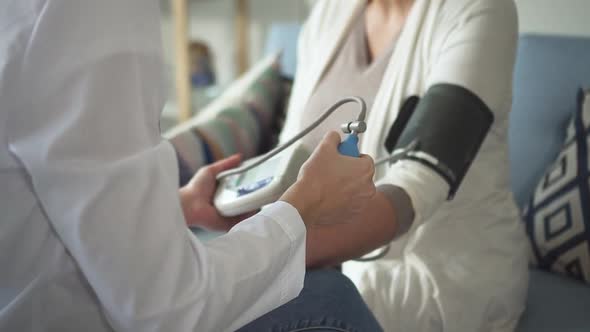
(376, 226)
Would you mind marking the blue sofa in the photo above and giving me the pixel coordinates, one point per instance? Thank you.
(549, 70)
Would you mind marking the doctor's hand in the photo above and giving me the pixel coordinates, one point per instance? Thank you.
(197, 197)
(332, 188)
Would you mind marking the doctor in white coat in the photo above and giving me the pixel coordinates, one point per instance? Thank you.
(93, 232)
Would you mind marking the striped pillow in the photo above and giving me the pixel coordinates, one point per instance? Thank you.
(245, 124)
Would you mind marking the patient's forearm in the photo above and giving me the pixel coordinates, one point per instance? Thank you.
(333, 244)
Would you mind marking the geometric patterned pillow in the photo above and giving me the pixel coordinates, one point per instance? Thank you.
(557, 218)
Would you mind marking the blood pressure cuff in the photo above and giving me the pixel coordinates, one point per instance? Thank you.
(443, 131)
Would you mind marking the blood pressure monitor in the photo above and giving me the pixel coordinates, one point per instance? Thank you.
(261, 185)
(443, 131)
(261, 181)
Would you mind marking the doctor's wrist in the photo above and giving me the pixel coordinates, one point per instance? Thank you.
(301, 201)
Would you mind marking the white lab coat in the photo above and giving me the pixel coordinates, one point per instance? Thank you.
(92, 235)
(462, 266)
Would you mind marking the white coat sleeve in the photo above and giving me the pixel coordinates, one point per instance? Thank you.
(477, 51)
(86, 130)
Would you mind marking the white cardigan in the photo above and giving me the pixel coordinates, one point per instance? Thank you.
(465, 42)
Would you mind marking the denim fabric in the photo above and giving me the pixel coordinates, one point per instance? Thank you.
(329, 302)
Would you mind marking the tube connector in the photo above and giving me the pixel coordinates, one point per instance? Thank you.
(354, 127)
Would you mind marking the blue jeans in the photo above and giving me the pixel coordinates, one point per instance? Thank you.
(329, 302)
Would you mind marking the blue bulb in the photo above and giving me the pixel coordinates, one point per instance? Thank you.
(349, 147)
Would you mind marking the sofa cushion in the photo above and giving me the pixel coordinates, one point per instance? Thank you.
(554, 304)
(558, 216)
(548, 71)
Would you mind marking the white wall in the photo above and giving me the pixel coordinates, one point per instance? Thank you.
(561, 17)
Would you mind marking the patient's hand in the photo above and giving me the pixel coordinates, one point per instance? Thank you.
(197, 197)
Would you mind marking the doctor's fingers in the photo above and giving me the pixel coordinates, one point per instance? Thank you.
(223, 164)
(362, 166)
(368, 164)
(330, 141)
(365, 168)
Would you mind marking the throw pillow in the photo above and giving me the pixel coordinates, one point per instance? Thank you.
(558, 215)
(242, 120)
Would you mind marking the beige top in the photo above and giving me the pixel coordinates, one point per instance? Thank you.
(352, 73)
